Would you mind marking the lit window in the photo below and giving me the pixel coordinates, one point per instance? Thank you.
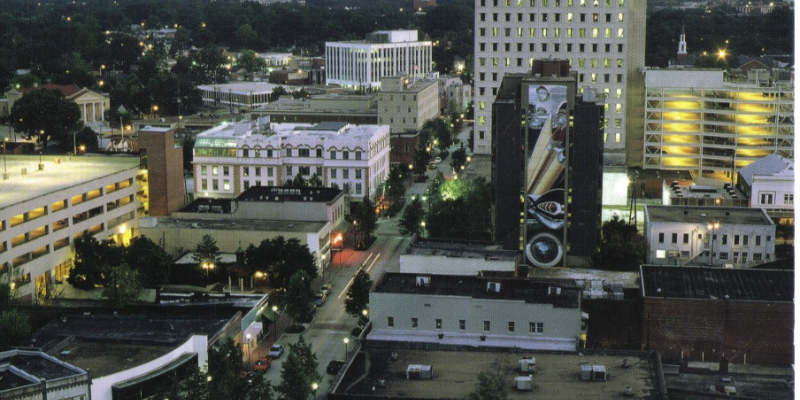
(532, 32)
(226, 185)
(569, 17)
(617, 137)
(618, 108)
(594, 32)
(621, 17)
(620, 32)
(214, 170)
(619, 93)
(569, 35)
(544, 32)
(661, 254)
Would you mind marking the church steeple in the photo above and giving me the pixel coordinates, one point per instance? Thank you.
(682, 55)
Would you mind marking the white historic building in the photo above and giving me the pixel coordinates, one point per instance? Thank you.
(475, 311)
(233, 157)
(768, 183)
(45, 206)
(383, 53)
(602, 39)
(716, 236)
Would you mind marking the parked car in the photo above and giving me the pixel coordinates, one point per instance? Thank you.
(263, 364)
(334, 367)
(319, 299)
(325, 289)
(275, 351)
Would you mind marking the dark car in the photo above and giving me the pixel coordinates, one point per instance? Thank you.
(334, 367)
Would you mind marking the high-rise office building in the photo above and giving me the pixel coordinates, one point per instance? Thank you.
(603, 40)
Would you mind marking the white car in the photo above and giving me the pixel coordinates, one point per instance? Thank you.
(275, 351)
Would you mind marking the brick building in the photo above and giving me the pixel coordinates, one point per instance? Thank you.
(404, 145)
(703, 314)
(164, 163)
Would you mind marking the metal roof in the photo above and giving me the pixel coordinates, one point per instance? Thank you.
(717, 283)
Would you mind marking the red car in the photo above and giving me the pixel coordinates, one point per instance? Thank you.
(263, 364)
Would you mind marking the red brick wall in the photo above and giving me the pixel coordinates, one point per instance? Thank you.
(760, 331)
(164, 170)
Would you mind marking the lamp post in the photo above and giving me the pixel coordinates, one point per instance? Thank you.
(346, 341)
(275, 330)
(248, 349)
(5, 168)
(713, 227)
(208, 267)
(314, 387)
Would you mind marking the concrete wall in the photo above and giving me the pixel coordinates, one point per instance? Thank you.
(442, 265)
(101, 386)
(755, 332)
(561, 326)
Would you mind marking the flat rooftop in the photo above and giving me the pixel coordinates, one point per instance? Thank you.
(455, 375)
(717, 283)
(37, 364)
(703, 215)
(630, 280)
(278, 194)
(242, 87)
(107, 343)
(261, 225)
(60, 172)
(528, 290)
(487, 251)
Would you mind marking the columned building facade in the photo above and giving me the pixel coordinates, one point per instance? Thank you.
(383, 53)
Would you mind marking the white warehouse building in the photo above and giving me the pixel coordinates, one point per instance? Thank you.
(454, 310)
(717, 236)
(232, 157)
(383, 53)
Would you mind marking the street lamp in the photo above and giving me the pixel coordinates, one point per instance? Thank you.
(248, 350)
(314, 387)
(208, 267)
(346, 341)
(275, 330)
(713, 227)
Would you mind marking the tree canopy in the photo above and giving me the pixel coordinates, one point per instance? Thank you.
(299, 371)
(358, 294)
(412, 217)
(46, 114)
(622, 247)
(364, 222)
(488, 388)
(459, 209)
(93, 262)
(279, 259)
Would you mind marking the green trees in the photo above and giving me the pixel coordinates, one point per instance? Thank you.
(364, 222)
(421, 159)
(46, 114)
(488, 388)
(622, 248)
(206, 251)
(299, 371)
(250, 61)
(279, 259)
(358, 295)
(440, 134)
(93, 262)
(15, 329)
(298, 296)
(459, 159)
(124, 286)
(460, 209)
(149, 259)
(412, 217)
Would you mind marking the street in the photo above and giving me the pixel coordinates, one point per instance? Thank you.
(331, 325)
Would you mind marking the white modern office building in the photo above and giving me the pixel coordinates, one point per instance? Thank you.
(716, 236)
(454, 310)
(237, 96)
(384, 53)
(698, 121)
(602, 39)
(234, 156)
(45, 205)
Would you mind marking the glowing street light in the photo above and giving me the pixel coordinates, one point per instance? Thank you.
(314, 387)
(346, 341)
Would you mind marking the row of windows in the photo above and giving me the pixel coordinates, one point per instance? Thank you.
(723, 255)
(545, 17)
(533, 327)
(769, 198)
(595, 47)
(593, 62)
(554, 3)
(302, 152)
(617, 109)
(270, 171)
(745, 239)
(554, 32)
